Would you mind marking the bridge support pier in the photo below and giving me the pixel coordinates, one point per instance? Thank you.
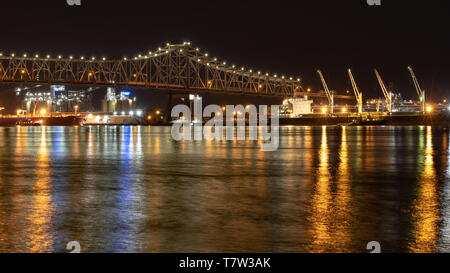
(169, 105)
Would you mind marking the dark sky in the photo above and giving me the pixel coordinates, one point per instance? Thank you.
(294, 38)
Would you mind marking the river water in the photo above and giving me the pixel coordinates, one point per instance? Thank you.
(134, 189)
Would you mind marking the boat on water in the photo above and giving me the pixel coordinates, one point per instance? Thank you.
(42, 121)
(27, 122)
(368, 122)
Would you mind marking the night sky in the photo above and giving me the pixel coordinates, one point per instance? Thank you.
(290, 38)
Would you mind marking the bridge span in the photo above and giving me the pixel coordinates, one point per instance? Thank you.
(176, 68)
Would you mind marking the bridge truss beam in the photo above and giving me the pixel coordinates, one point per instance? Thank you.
(178, 67)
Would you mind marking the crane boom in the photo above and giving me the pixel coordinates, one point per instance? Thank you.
(358, 94)
(329, 93)
(386, 94)
(420, 92)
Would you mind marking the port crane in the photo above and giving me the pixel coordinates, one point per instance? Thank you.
(387, 95)
(330, 94)
(358, 94)
(419, 90)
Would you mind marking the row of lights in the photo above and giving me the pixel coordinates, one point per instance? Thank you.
(59, 57)
(243, 68)
(155, 54)
(93, 58)
(43, 112)
(428, 109)
(131, 113)
(208, 63)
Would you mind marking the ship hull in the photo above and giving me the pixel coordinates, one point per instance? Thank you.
(44, 121)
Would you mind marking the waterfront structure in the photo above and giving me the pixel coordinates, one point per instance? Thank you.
(122, 102)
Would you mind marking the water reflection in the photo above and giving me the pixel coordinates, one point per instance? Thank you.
(425, 212)
(40, 231)
(134, 189)
(321, 201)
(342, 220)
(331, 219)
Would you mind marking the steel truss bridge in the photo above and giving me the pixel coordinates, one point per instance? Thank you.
(176, 68)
